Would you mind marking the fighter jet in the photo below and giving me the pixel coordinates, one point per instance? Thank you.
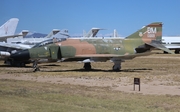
(90, 50)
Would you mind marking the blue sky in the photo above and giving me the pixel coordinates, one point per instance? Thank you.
(126, 16)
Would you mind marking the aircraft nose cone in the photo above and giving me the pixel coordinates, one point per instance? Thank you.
(21, 55)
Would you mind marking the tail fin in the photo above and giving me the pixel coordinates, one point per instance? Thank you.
(115, 34)
(151, 36)
(53, 32)
(24, 33)
(148, 33)
(64, 32)
(9, 27)
(92, 32)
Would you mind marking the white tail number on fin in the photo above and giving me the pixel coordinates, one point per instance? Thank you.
(151, 32)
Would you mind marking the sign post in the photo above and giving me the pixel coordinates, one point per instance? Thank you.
(136, 82)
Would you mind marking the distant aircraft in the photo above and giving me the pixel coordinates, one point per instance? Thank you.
(92, 32)
(32, 41)
(90, 50)
(172, 43)
(8, 29)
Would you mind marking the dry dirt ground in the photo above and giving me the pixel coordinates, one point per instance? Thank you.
(159, 74)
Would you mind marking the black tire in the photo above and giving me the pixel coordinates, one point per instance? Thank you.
(87, 66)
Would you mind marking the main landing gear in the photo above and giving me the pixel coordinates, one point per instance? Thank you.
(87, 66)
(177, 51)
(35, 66)
(117, 66)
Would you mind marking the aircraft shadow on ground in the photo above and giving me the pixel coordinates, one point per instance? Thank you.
(14, 67)
(81, 69)
(51, 65)
(44, 66)
(98, 70)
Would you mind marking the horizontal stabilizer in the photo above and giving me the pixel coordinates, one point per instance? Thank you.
(13, 46)
(160, 46)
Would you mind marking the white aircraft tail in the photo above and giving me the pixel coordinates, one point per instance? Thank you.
(53, 32)
(92, 32)
(64, 32)
(9, 27)
(115, 34)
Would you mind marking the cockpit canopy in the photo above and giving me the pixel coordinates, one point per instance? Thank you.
(50, 41)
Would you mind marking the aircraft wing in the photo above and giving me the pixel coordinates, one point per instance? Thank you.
(126, 56)
(10, 36)
(22, 33)
(12, 46)
(160, 46)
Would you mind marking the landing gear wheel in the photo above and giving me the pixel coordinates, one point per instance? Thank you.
(116, 68)
(165, 52)
(176, 51)
(117, 65)
(36, 69)
(87, 66)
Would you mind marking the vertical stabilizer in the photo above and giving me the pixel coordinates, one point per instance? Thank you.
(9, 27)
(148, 33)
(92, 32)
(115, 34)
(53, 32)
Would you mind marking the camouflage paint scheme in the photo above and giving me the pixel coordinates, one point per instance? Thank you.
(103, 49)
